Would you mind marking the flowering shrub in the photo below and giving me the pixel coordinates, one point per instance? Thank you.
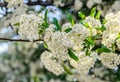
(75, 48)
(74, 42)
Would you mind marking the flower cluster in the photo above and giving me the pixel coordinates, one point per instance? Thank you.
(84, 63)
(51, 64)
(30, 25)
(112, 29)
(73, 43)
(14, 3)
(111, 60)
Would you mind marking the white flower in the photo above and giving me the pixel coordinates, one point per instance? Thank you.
(109, 16)
(50, 64)
(84, 63)
(111, 60)
(112, 29)
(58, 43)
(14, 3)
(78, 5)
(65, 26)
(30, 26)
(90, 3)
(77, 35)
(58, 3)
(92, 22)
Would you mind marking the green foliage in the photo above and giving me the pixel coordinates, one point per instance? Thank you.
(118, 36)
(72, 55)
(93, 12)
(16, 24)
(35, 79)
(46, 24)
(102, 28)
(89, 43)
(81, 14)
(68, 30)
(58, 27)
(70, 18)
(45, 45)
(68, 71)
(97, 16)
(102, 49)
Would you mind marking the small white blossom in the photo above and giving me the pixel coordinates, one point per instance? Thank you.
(112, 25)
(65, 26)
(84, 63)
(51, 65)
(111, 60)
(14, 3)
(58, 43)
(92, 22)
(30, 26)
(78, 35)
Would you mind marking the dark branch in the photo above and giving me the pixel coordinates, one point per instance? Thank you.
(2, 4)
(19, 40)
(39, 3)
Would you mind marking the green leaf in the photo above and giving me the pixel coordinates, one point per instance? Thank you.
(45, 24)
(72, 55)
(90, 40)
(86, 25)
(16, 24)
(45, 45)
(118, 36)
(41, 31)
(93, 12)
(103, 49)
(68, 30)
(70, 18)
(35, 78)
(98, 15)
(87, 52)
(81, 15)
(101, 28)
(58, 27)
(46, 13)
(104, 21)
(67, 69)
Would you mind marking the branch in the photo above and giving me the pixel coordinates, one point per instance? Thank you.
(39, 3)
(20, 40)
(2, 4)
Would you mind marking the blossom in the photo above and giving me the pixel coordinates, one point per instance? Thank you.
(14, 3)
(93, 25)
(50, 64)
(90, 3)
(92, 22)
(58, 43)
(66, 26)
(30, 26)
(77, 35)
(84, 63)
(78, 5)
(112, 25)
(111, 60)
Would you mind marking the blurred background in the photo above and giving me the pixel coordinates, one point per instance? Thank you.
(20, 61)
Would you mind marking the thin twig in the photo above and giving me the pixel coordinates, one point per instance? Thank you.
(19, 40)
